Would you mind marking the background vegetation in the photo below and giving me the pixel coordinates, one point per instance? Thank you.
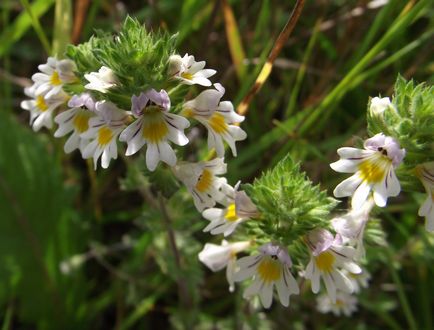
(82, 250)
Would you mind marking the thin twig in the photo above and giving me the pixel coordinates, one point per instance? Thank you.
(277, 48)
(182, 288)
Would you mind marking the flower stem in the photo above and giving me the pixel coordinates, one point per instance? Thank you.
(401, 293)
(184, 296)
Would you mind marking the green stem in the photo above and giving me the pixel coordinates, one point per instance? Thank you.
(401, 293)
(37, 26)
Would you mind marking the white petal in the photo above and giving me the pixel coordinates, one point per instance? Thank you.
(213, 213)
(360, 195)
(167, 154)
(348, 186)
(72, 143)
(330, 286)
(393, 186)
(152, 156)
(283, 290)
(266, 294)
(253, 289)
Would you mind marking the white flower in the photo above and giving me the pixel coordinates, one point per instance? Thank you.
(239, 208)
(54, 74)
(328, 257)
(154, 127)
(269, 268)
(202, 181)
(188, 71)
(103, 132)
(374, 170)
(75, 120)
(378, 105)
(426, 175)
(358, 281)
(345, 304)
(217, 257)
(42, 108)
(102, 80)
(218, 117)
(351, 226)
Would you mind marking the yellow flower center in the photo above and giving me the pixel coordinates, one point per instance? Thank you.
(269, 270)
(41, 104)
(374, 169)
(188, 112)
(55, 79)
(105, 135)
(154, 127)
(81, 122)
(217, 123)
(339, 303)
(205, 181)
(187, 75)
(325, 261)
(231, 213)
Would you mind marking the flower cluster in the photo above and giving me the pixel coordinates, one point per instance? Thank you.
(282, 220)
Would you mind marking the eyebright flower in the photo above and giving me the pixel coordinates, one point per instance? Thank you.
(426, 175)
(42, 108)
(75, 120)
(217, 257)
(328, 256)
(270, 268)
(374, 170)
(345, 304)
(358, 281)
(378, 105)
(102, 80)
(218, 117)
(54, 74)
(103, 132)
(154, 127)
(202, 181)
(188, 71)
(351, 226)
(239, 208)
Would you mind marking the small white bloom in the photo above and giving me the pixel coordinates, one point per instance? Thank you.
(42, 108)
(269, 268)
(351, 226)
(75, 120)
(218, 117)
(345, 304)
(54, 74)
(202, 181)
(358, 281)
(374, 169)
(103, 132)
(217, 257)
(378, 105)
(426, 176)
(188, 71)
(154, 127)
(328, 257)
(239, 208)
(102, 80)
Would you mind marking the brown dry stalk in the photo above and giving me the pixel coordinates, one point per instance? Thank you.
(79, 18)
(266, 69)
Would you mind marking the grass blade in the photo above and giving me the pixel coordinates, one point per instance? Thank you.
(62, 26)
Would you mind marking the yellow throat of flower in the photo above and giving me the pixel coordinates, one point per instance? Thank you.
(374, 169)
(231, 213)
(325, 261)
(187, 75)
(81, 122)
(105, 135)
(217, 123)
(55, 79)
(269, 270)
(41, 104)
(205, 181)
(154, 126)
